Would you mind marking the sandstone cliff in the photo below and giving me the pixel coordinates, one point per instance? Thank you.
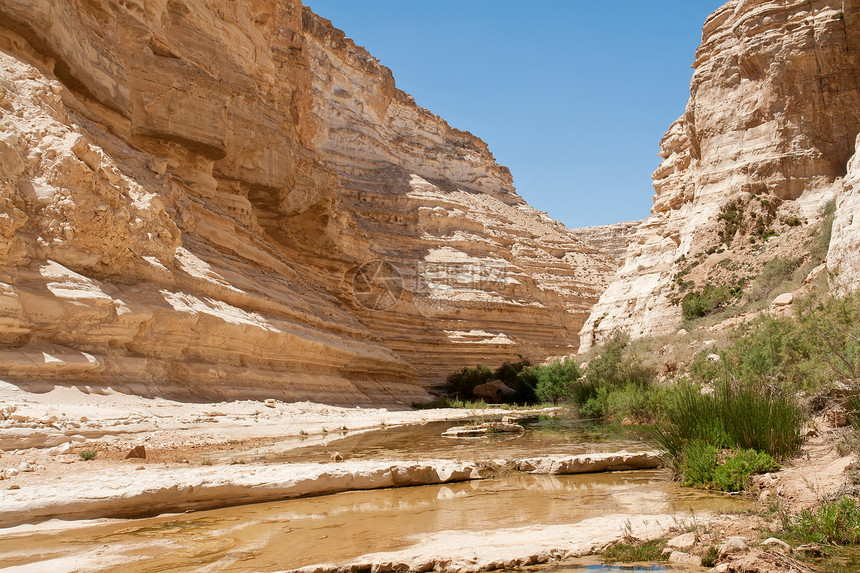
(763, 144)
(210, 200)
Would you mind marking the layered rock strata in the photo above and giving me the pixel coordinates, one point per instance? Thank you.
(763, 144)
(211, 201)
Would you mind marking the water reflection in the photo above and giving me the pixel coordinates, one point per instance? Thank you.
(542, 437)
(282, 535)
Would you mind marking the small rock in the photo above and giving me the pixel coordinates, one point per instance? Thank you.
(685, 559)
(714, 357)
(14, 486)
(270, 402)
(336, 457)
(137, 452)
(732, 545)
(811, 549)
(838, 417)
(157, 166)
(722, 568)
(784, 299)
(683, 332)
(775, 543)
(138, 468)
(683, 542)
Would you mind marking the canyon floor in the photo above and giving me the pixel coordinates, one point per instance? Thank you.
(201, 456)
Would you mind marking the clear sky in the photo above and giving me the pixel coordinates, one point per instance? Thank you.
(529, 78)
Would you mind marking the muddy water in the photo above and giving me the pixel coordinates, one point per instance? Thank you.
(287, 534)
(542, 437)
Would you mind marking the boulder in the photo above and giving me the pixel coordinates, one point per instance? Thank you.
(136, 453)
(494, 390)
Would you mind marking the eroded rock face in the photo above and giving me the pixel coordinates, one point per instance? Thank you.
(188, 190)
(843, 258)
(770, 124)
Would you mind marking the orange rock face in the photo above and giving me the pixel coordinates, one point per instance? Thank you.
(216, 200)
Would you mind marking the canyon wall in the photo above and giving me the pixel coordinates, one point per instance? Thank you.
(204, 200)
(770, 125)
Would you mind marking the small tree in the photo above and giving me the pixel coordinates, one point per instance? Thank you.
(556, 379)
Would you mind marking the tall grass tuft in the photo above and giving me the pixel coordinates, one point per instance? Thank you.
(738, 416)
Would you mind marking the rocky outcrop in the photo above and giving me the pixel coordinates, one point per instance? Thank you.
(122, 493)
(843, 258)
(770, 124)
(484, 276)
(206, 201)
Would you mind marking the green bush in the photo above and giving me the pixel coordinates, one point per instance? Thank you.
(88, 455)
(734, 474)
(820, 346)
(698, 463)
(712, 298)
(616, 385)
(836, 522)
(774, 273)
(557, 380)
(700, 466)
(731, 216)
(462, 384)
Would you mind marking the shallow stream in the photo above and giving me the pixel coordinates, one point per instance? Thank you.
(288, 534)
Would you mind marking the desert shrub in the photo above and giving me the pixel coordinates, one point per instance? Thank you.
(734, 474)
(709, 300)
(633, 401)
(636, 552)
(462, 383)
(774, 273)
(731, 216)
(819, 244)
(557, 380)
(808, 352)
(88, 455)
(700, 466)
(698, 463)
(617, 385)
(836, 522)
(519, 377)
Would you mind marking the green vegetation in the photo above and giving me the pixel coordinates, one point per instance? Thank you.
(636, 552)
(820, 241)
(834, 523)
(710, 299)
(556, 380)
(518, 376)
(776, 275)
(819, 347)
(735, 416)
(731, 216)
(701, 466)
(88, 455)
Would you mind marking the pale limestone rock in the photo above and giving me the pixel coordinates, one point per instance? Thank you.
(682, 558)
(683, 542)
(784, 299)
(732, 545)
(761, 123)
(774, 543)
(843, 258)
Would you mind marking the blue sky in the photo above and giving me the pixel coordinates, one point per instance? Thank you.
(531, 77)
